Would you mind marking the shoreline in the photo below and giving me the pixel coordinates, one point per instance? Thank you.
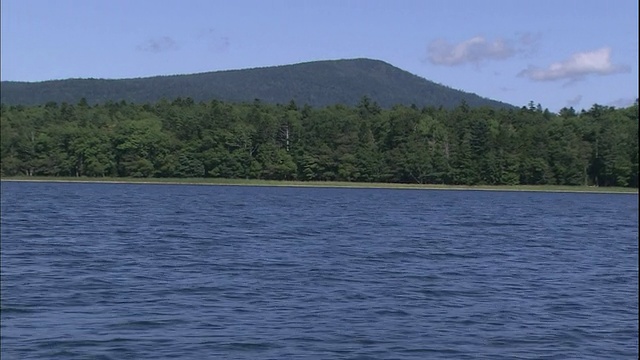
(330, 184)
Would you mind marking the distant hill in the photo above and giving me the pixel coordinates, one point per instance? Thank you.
(317, 83)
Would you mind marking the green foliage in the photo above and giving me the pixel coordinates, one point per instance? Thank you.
(364, 143)
(318, 84)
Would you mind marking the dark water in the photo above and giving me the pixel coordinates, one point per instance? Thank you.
(113, 271)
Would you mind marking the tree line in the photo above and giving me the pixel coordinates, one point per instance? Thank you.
(365, 143)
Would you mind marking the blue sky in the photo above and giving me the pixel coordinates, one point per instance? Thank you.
(558, 53)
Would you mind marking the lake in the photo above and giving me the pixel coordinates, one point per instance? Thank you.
(135, 271)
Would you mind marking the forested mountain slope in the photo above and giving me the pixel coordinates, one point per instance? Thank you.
(318, 84)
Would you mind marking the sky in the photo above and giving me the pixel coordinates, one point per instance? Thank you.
(557, 53)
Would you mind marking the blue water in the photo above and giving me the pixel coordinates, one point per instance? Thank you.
(117, 271)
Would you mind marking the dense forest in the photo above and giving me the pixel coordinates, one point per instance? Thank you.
(317, 83)
(404, 144)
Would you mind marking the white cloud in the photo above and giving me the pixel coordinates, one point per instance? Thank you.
(623, 102)
(164, 43)
(474, 50)
(575, 101)
(528, 43)
(529, 39)
(576, 67)
(215, 42)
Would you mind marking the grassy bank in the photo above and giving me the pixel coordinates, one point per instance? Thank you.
(336, 184)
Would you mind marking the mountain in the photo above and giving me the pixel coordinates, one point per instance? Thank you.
(317, 83)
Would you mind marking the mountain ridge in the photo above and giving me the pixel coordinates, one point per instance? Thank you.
(316, 83)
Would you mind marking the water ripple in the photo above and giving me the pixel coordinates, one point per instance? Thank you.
(108, 271)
